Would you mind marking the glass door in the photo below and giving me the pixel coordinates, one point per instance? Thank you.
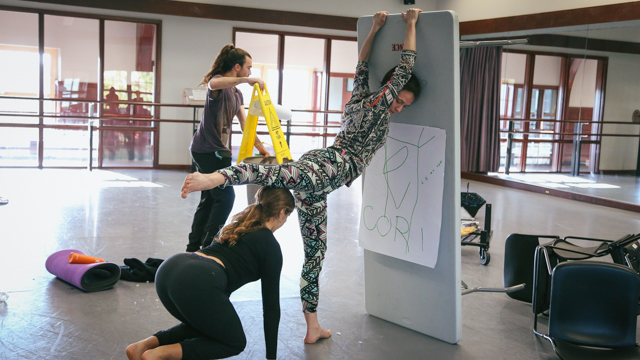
(74, 47)
(64, 65)
(129, 76)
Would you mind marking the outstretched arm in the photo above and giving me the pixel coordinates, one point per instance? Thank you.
(411, 17)
(378, 21)
(226, 82)
(403, 71)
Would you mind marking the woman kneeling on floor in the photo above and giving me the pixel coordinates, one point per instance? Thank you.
(195, 287)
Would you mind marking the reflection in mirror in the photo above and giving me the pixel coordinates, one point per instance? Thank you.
(620, 43)
(544, 92)
(512, 107)
(584, 83)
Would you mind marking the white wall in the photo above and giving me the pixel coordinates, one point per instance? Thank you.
(476, 10)
(349, 8)
(467, 10)
(583, 92)
(513, 66)
(622, 98)
(547, 70)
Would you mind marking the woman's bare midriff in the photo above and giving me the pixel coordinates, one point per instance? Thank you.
(210, 257)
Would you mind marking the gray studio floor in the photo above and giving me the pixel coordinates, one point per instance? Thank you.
(622, 188)
(138, 213)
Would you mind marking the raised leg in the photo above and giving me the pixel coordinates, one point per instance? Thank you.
(198, 182)
(321, 170)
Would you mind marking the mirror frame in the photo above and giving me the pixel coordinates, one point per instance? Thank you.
(538, 29)
(555, 19)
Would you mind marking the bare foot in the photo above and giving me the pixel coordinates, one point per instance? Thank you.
(316, 334)
(197, 182)
(167, 352)
(135, 351)
(314, 331)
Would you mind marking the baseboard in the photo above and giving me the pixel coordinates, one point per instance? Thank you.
(552, 192)
(617, 172)
(173, 167)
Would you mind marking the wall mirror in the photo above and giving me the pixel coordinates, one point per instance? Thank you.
(568, 83)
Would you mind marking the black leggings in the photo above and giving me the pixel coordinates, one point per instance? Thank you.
(215, 204)
(192, 288)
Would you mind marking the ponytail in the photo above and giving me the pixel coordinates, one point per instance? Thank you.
(270, 202)
(228, 57)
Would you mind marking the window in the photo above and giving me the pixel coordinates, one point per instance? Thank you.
(541, 85)
(55, 134)
(19, 145)
(128, 76)
(305, 85)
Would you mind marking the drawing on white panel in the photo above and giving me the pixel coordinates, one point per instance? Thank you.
(401, 211)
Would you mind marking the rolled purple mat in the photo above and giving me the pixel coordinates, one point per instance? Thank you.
(87, 277)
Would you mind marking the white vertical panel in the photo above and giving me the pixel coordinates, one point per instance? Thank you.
(423, 299)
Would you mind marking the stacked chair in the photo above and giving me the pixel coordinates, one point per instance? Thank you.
(592, 305)
(518, 267)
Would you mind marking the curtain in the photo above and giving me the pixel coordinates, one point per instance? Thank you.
(479, 109)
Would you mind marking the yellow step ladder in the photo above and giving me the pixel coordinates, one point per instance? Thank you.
(278, 139)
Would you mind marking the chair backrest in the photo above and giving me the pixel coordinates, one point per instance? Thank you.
(519, 251)
(567, 250)
(594, 304)
(545, 261)
(626, 251)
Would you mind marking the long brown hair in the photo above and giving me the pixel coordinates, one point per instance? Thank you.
(225, 61)
(413, 85)
(270, 202)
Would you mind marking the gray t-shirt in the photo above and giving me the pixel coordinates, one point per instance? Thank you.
(214, 131)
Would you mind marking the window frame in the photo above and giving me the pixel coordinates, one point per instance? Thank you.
(326, 66)
(41, 125)
(559, 142)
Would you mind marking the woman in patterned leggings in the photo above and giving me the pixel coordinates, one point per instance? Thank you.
(319, 172)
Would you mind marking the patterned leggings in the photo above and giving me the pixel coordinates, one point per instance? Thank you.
(312, 178)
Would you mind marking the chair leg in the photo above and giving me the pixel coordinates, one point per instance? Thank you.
(556, 351)
(466, 290)
(545, 336)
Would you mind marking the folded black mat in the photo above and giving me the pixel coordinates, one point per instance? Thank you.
(137, 271)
